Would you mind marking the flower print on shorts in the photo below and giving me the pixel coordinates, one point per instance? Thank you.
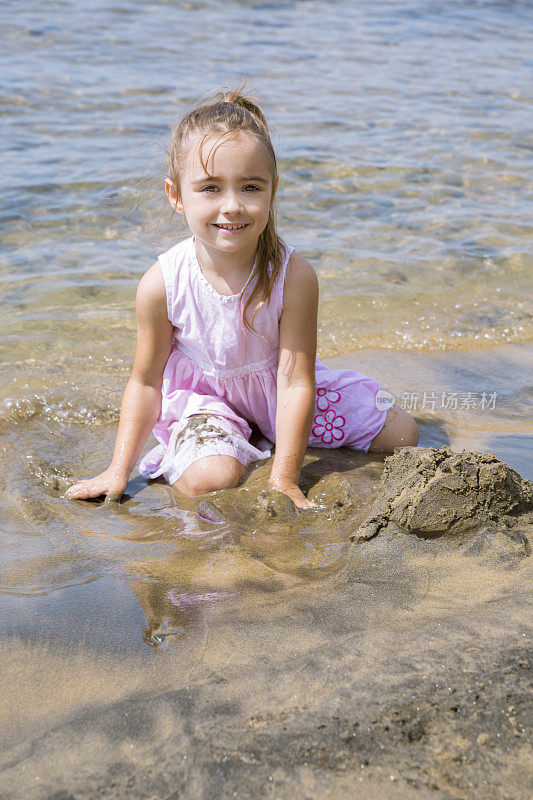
(328, 426)
(326, 396)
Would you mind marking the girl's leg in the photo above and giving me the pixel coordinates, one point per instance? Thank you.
(208, 452)
(400, 430)
(209, 474)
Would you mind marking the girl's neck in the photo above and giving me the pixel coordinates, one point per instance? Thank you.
(224, 264)
(227, 272)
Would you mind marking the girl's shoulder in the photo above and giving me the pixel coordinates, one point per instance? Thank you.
(175, 266)
(299, 272)
(297, 263)
(177, 253)
(297, 278)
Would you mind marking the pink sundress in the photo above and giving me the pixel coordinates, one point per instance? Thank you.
(220, 370)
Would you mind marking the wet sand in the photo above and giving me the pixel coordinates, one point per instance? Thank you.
(397, 680)
(406, 671)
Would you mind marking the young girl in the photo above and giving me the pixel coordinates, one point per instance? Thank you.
(227, 325)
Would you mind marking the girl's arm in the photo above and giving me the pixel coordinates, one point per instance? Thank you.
(296, 378)
(141, 403)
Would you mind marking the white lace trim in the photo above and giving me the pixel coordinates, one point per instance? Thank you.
(234, 372)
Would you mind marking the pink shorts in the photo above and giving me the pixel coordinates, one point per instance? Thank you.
(350, 409)
(349, 412)
(198, 436)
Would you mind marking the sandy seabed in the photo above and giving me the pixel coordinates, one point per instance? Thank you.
(405, 673)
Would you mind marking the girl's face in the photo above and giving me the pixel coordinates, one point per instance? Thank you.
(228, 209)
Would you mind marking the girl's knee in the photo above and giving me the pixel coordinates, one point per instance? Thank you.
(210, 474)
(411, 432)
(400, 430)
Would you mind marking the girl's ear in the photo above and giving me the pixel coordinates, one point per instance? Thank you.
(172, 194)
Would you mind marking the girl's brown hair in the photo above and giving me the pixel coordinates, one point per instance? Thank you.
(229, 112)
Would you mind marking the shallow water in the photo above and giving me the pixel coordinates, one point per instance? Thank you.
(404, 144)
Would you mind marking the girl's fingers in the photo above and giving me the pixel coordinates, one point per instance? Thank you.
(298, 498)
(73, 492)
(87, 490)
(301, 501)
(304, 504)
(84, 491)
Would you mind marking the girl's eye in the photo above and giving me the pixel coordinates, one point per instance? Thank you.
(210, 188)
(250, 187)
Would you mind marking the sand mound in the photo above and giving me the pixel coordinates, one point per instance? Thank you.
(431, 492)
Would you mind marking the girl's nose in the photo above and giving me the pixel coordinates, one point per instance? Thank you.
(232, 204)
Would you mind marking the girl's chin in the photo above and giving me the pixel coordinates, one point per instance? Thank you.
(230, 234)
(226, 242)
(233, 247)
(224, 239)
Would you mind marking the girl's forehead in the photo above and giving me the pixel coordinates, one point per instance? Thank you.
(233, 149)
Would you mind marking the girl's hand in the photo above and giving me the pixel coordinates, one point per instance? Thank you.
(110, 483)
(295, 494)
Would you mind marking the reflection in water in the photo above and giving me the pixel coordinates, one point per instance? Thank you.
(263, 548)
(188, 591)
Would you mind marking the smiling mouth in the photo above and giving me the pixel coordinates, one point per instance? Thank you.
(229, 227)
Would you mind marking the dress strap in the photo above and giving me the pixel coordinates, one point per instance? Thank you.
(173, 262)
